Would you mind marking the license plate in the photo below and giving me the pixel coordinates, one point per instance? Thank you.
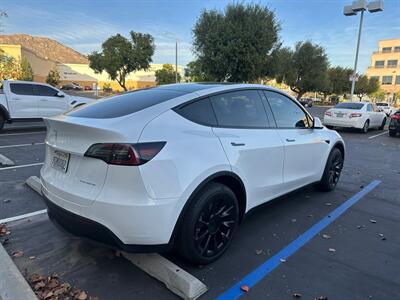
(60, 161)
(339, 115)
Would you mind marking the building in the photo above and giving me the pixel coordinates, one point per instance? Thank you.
(45, 54)
(385, 66)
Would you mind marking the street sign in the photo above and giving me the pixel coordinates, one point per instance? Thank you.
(354, 77)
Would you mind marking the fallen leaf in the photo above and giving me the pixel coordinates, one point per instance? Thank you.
(5, 241)
(326, 236)
(259, 251)
(3, 229)
(39, 285)
(49, 295)
(332, 250)
(372, 221)
(296, 295)
(328, 204)
(245, 288)
(32, 257)
(18, 253)
(283, 260)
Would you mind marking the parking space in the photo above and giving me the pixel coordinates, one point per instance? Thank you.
(357, 256)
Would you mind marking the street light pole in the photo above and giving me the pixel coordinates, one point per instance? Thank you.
(176, 60)
(353, 79)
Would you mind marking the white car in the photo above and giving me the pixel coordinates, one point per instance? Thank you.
(386, 108)
(28, 100)
(181, 164)
(361, 115)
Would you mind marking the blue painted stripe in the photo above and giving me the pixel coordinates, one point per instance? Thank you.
(254, 277)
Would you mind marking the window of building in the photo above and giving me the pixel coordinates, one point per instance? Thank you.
(379, 64)
(397, 49)
(286, 112)
(242, 109)
(387, 80)
(22, 89)
(392, 63)
(386, 49)
(375, 77)
(398, 79)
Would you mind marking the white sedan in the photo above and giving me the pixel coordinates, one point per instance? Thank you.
(360, 115)
(182, 164)
(386, 108)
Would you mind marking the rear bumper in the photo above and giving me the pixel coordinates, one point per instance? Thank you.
(394, 126)
(83, 227)
(344, 122)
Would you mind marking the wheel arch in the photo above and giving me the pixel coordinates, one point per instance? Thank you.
(341, 147)
(227, 178)
(4, 112)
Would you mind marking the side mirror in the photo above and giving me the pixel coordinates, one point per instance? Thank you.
(60, 94)
(317, 123)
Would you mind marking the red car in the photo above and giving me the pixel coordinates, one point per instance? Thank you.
(394, 125)
(87, 88)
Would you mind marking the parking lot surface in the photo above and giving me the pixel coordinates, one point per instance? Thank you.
(357, 256)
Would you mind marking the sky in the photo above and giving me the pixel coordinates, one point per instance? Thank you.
(85, 24)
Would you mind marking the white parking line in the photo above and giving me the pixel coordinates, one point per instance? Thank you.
(21, 145)
(21, 133)
(21, 166)
(376, 135)
(24, 216)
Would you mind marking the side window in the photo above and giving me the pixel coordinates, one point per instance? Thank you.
(22, 89)
(199, 111)
(241, 109)
(45, 91)
(369, 107)
(286, 112)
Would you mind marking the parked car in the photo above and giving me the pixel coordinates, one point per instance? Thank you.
(88, 88)
(394, 125)
(386, 108)
(21, 100)
(181, 164)
(361, 115)
(306, 102)
(71, 86)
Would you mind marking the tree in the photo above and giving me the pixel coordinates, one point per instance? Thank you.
(53, 78)
(9, 67)
(365, 86)
(121, 56)
(26, 70)
(193, 72)
(235, 45)
(305, 69)
(336, 82)
(166, 75)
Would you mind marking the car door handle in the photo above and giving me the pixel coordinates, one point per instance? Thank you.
(237, 144)
(44, 100)
(290, 140)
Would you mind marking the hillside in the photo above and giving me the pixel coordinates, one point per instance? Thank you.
(45, 48)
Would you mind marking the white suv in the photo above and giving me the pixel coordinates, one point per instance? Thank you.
(181, 164)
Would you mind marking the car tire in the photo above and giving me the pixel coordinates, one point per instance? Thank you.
(332, 171)
(383, 124)
(2, 121)
(365, 127)
(392, 133)
(209, 224)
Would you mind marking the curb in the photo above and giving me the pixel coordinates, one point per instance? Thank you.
(12, 284)
(35, 184)
(5, 161)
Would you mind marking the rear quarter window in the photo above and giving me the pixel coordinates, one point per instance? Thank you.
(199, 112)
(125, 104)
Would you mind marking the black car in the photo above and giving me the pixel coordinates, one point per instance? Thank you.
(394, 125)
(71, 86)
(306, 102)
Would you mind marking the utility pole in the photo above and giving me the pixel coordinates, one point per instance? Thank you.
(176, 60)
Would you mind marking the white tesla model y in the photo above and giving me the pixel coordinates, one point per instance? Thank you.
(181, 164)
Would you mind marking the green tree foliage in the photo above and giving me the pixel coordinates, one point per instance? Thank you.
(193, 72)
(379, 95)
(166, 75)
(9, 67)
(366, 86)
(235, 45)
(121, 56)
(53, 78)
(26, 70)
(305, 69)
(336, 81)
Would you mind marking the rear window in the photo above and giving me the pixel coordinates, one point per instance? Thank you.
(125, 104)
(382, 104)
(349, 105)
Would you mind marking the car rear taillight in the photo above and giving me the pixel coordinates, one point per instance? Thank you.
(125, 154)
(355, 115)
(396, 116)
(328, 113)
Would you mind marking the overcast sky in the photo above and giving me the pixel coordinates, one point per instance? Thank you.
(85, 24)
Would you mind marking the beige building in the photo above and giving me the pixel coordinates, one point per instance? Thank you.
(385, 66)
(79, 73)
